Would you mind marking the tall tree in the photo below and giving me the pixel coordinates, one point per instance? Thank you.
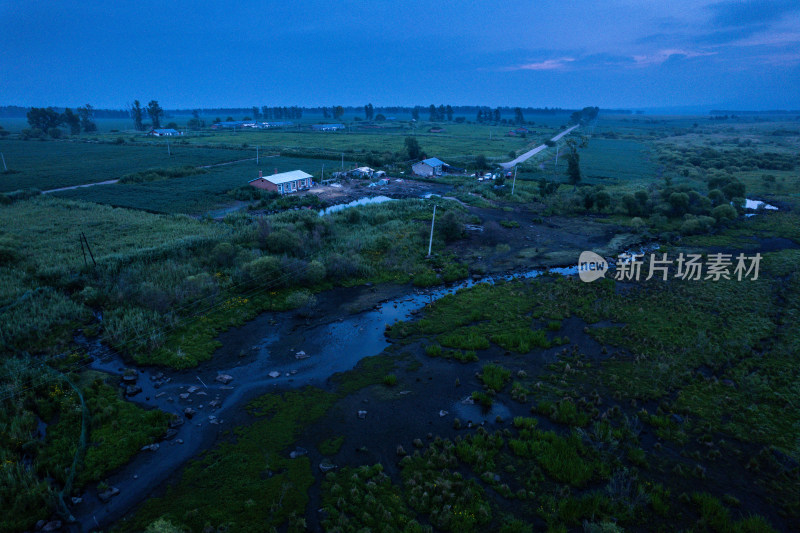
(155, 112)
(369, 112)
(432, 113)
(449, 111)
(266, 112)
(87, 113)
(440, 112)
(518, 118)
(338, 112)
(497, 114)
(573, 163)
(137, 114)
(255, 112)
(413, 149)
(415, 113)
(44, 118)
(325, 113)
(72, 120)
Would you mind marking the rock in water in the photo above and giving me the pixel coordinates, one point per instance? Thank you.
(274, 374)
(106, 495)
(224, 378)
(327, 467)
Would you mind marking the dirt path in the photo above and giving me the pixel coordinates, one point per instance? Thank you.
(107, 182)
(111, 182)
(527, 155)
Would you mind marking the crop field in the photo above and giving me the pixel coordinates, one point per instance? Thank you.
(456, 141)
(617, 162)
(191, 194)
(47, 165)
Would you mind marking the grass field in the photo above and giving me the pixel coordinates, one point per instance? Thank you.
(53, 164)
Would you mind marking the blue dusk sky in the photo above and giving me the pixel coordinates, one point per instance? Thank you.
(733, 54)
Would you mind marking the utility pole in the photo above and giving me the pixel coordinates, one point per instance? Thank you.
(5, 168)
(433, 220)
(514, 182)
(169, 152)
(256, 155)
(88, 248)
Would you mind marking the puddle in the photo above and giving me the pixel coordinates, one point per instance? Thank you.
(354, 203)
(758, 204)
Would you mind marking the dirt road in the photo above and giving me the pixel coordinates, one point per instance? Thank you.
(527, 155)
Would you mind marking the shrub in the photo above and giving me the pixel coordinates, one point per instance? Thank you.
(284, 241)
(495, 377)
(434, 350)
(724, 212)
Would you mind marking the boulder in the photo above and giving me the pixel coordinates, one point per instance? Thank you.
(301, 355)
(274, 374)
(223, 378)
(106, 495)
(170, 434)
(362, 415)
(176, 422)
(297, 452)
(189, 412)
(132, 390)
(442, 412)
(150, 447)
(76, 500)
(183, 395)
(192, 389)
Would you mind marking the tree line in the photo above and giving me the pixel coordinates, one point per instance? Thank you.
(46, 121)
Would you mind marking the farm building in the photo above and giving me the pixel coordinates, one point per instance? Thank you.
(169, 132)
(327, 127)
(434, 167)
(283, 183)
(362, 172)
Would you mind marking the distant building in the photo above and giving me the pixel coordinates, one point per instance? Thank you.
(168, 132)
(436, 129)
(429, 167)
(283, 183)
(327, 127)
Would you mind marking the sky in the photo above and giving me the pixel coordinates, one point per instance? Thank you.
(633, 54)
